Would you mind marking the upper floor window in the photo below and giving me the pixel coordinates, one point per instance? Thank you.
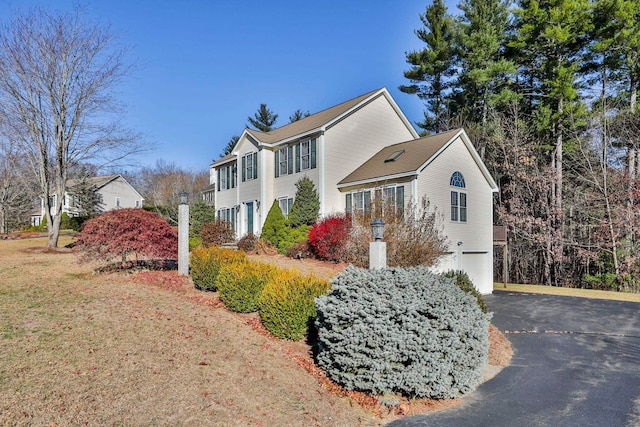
(117, 202)
(301, 155)
(249, 166)
(458, 198)
(284, 157)
(227, 177)
(457, 180)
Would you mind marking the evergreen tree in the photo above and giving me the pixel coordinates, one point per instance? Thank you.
(433, 66)
(298, 115)
(230, 145)
(264, 119)
(201, 213)
(86, 199)
(482, 38)
(306, 205)
(273, 224)
(554, 34)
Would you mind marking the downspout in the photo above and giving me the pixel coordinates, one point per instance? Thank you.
(262, 167)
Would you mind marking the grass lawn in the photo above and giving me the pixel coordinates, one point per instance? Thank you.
(77, 348)
(572, 292)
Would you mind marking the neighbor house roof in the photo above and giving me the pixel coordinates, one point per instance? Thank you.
(397, 160)
(96, 181)
(225, 159)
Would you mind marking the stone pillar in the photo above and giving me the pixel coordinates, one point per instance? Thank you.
(377, 255)
(183, 239)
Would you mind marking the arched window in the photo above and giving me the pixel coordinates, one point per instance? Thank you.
(457, 180)
(458, 198)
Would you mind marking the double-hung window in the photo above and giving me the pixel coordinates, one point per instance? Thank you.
(458, 198)
(227, 176)
(249, 166)
(229, 215)
(358, 202)
(296, 158)
(285, 204)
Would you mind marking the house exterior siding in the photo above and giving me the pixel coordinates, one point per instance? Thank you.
(475, 236)
(351, 142)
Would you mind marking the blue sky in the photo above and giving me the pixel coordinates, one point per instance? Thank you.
(203, 66)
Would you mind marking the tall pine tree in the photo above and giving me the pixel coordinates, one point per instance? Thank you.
(264, 119)
(433, 66)
(553, 35)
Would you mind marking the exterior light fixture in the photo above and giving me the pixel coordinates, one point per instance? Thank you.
(377, 229)
(184, 197)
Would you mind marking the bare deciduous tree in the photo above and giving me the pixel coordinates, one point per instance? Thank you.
(58, 75)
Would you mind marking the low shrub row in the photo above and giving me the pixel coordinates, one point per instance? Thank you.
(207, 262)
(284, 299)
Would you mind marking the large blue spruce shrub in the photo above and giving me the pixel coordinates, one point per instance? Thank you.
(401, 330)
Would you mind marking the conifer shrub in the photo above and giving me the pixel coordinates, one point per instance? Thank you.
(401, 330)
(240, 284)
(306, 205)
(463, 281)
(216, 233)
(286, 303)
(273, 223)
(289, 236)
(329, 237)
(207, 262)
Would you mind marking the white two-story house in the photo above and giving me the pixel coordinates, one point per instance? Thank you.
(354, 152)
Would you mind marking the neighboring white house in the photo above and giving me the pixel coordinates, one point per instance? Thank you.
(352, 152)
(112, 192)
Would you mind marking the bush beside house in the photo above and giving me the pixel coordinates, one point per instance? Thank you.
(401, 330)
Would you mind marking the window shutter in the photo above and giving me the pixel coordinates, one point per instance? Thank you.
(244, 168)
(348, 203)
(255, 165)
(298, 157)
(290, 158)
(228, 172)
(277, 163)
(313, 153)
(218, 186)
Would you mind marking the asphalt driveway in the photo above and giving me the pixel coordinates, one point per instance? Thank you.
(576, 363)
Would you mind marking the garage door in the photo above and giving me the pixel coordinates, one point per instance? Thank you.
(475, 265)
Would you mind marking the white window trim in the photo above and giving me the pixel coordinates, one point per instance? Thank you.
(283, 160)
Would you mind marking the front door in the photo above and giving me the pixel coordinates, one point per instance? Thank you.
(249, 217)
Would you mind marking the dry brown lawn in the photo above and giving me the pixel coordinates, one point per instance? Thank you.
(78, 348)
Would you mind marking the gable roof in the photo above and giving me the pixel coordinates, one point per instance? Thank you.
(312, 122)
(99, 182)
(410, 158)
(315, 123)
(95, 181)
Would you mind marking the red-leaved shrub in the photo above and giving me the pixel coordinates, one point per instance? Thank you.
(216, 233)
(329, 237)
(121, 233)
